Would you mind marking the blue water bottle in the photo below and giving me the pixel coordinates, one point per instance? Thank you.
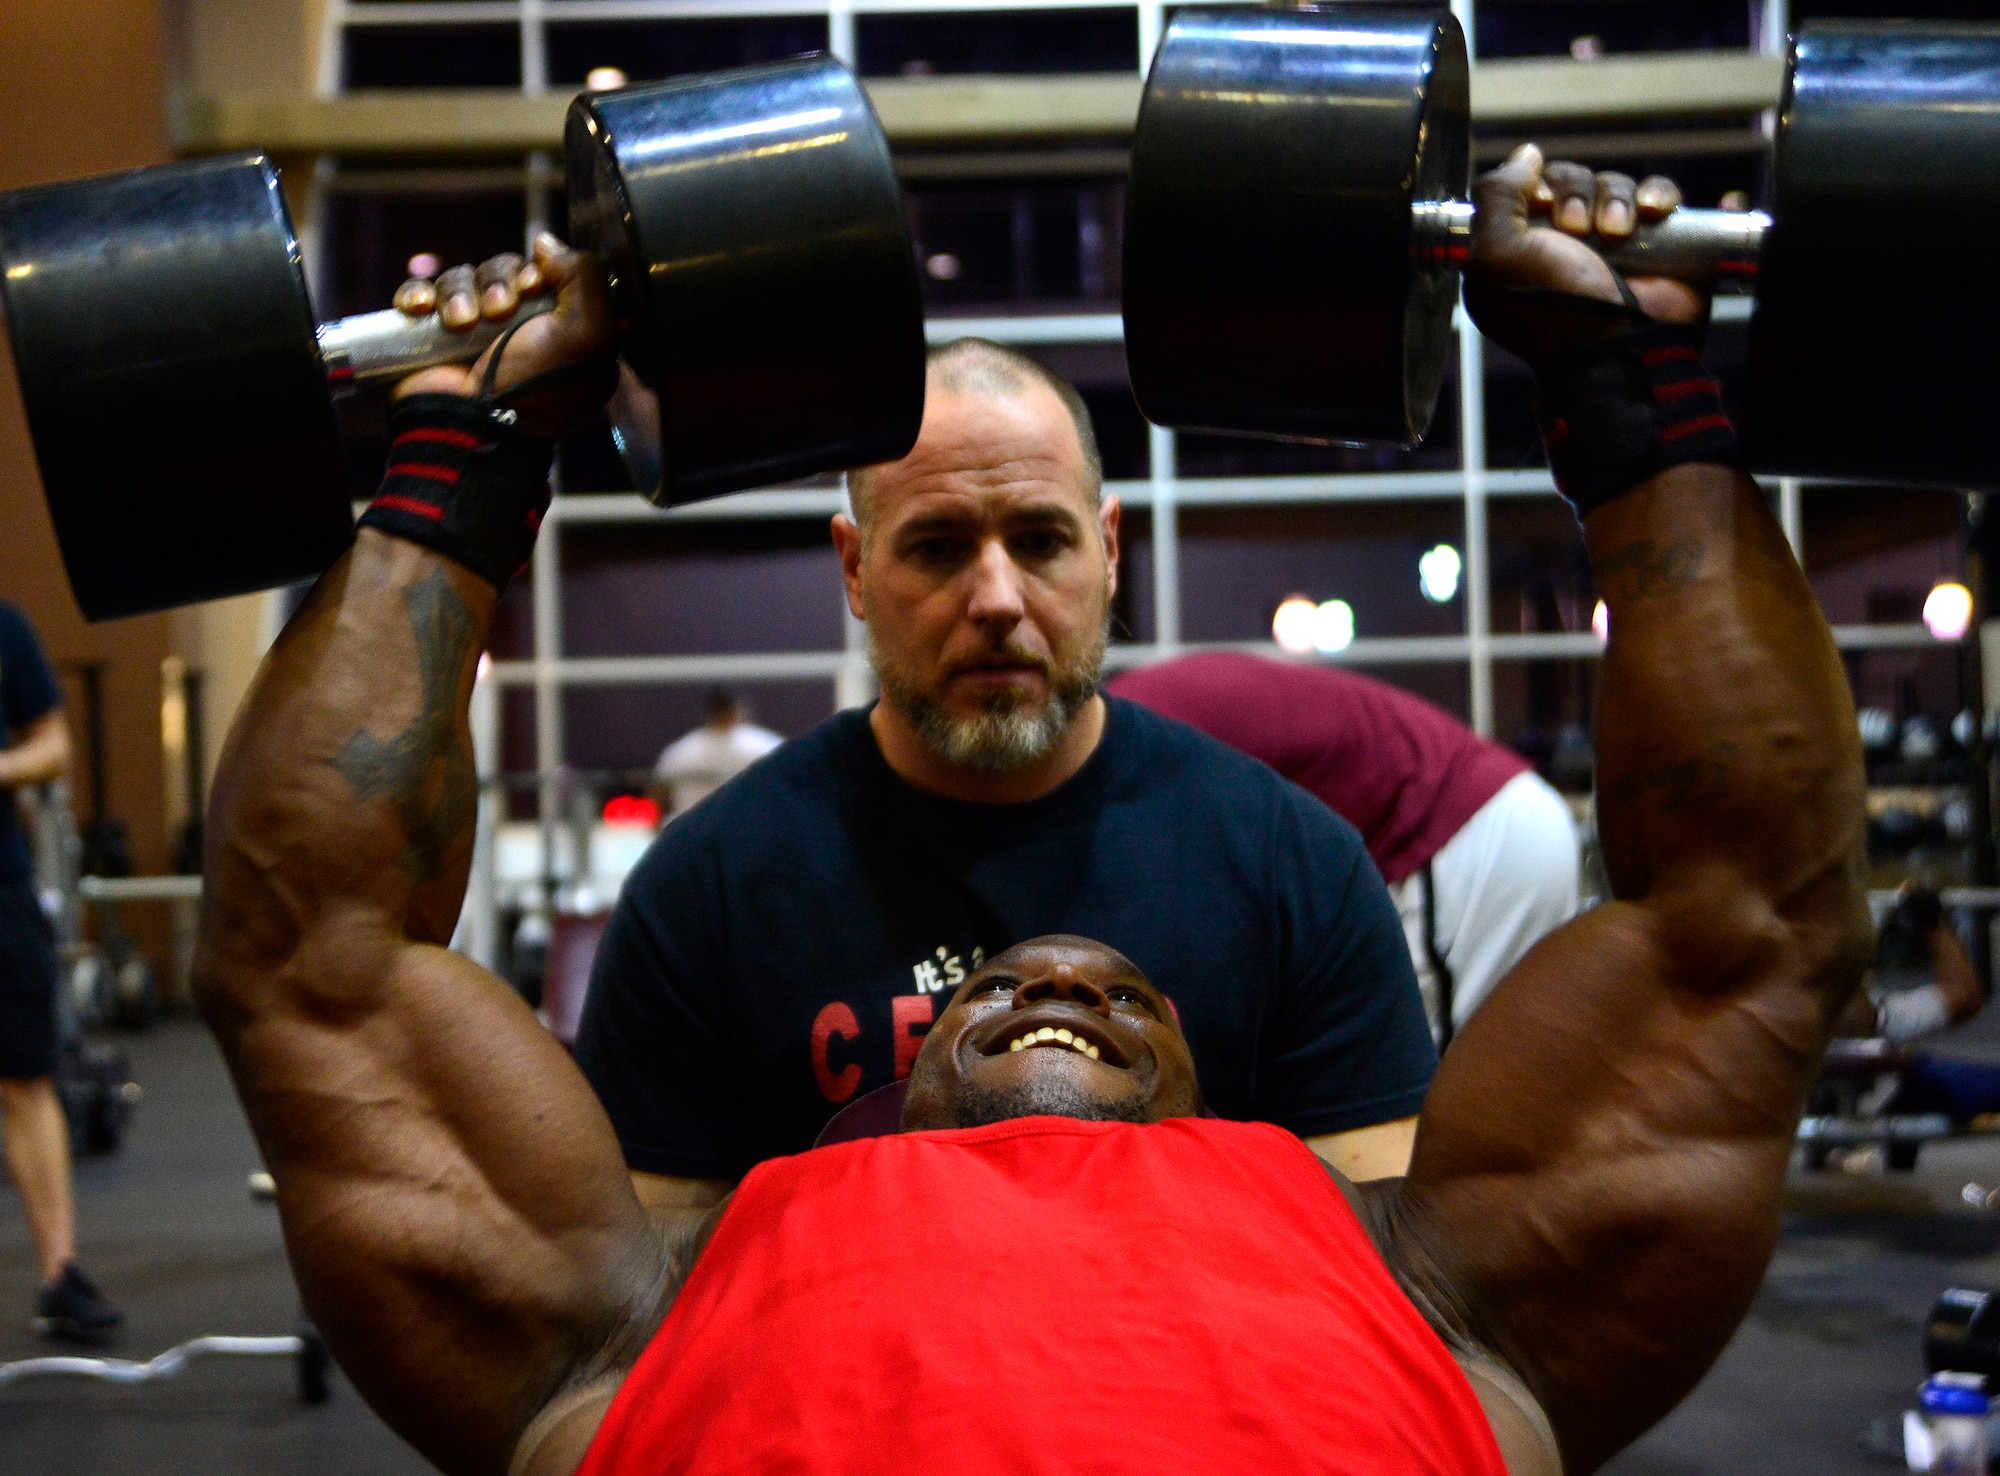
(1955, 1407)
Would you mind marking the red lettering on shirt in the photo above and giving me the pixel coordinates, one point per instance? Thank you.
(835, 1022)
(910, 1017)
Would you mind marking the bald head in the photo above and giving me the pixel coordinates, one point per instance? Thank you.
(980, 368)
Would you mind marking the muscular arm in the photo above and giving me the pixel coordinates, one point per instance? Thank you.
(1595, 1188)
(455, 1205)
(1597, 1180)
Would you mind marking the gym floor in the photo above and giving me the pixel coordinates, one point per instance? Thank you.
(1831, 1346)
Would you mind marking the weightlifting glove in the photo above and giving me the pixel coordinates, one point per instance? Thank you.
(1618, 412)
(465, 481)
(1619, 396)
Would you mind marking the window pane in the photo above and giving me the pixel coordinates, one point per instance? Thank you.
(645, 50)
(1544, 709)
(686, 588)
(1238, 564)
(1873, 553)
(1032, 246)
(1033, 41)
(1538, 575)
(431, 56)
(368, 237)
(1570, 27)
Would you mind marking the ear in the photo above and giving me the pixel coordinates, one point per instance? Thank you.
(847, 543)
(1108, 515)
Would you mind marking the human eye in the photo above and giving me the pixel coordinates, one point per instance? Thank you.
(1040, 543)
(1127, 997)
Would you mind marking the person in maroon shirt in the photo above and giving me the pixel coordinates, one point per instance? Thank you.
(1479, 854)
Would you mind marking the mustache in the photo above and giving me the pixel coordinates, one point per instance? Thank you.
(1005, 656)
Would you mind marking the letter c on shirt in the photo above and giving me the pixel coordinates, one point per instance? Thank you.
(835, 1021)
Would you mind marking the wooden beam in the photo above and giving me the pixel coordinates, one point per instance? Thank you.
(1668, 84)
(941, 111)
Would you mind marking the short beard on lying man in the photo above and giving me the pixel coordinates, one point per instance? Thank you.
(977, 1106)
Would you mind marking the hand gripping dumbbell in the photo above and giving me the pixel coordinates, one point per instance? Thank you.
(180, 395)
(1296, 224)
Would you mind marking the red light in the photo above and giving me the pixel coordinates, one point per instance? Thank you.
(631, 809)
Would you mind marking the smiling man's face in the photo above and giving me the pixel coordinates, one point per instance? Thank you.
(1059, 1027)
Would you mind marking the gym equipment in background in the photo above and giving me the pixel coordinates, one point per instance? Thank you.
(180, 396)
(1297, 223)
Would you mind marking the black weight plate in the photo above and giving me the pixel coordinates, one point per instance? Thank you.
(164, 342)
(1871, 347)
(1269, 282)
(757, 242)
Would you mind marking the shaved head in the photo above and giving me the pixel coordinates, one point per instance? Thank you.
(976, 367)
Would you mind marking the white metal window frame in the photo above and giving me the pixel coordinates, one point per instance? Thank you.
(548, 672)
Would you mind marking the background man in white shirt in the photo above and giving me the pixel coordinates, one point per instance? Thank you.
(692, 768)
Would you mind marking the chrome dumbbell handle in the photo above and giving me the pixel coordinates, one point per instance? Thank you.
(1707, 247)
(380, 348)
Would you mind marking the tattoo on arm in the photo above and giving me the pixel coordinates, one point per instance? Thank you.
(423, 770)
(1696, 782)
(1646, 569)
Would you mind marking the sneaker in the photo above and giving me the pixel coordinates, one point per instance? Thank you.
(73, 1307)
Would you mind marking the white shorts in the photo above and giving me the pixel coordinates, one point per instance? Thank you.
(1507, 879)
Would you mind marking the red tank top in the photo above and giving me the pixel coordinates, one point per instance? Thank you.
(1045, 1296)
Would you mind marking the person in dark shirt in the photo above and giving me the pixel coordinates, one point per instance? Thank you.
(783, 949)
(1480, 854)
(34, 749)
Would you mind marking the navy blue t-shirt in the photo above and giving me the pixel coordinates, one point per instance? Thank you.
(28, 692)
(783, 946)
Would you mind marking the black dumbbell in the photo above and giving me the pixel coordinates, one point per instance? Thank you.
(180, 395)
(1297, 220)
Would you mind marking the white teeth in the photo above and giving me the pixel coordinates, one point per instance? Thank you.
(1050, 1036)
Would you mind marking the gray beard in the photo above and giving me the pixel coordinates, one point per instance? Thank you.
(1006, 736)
(977, 1106)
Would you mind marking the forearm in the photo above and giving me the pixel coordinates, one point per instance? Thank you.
(347, 789)
(1729, 777)
(41, 755)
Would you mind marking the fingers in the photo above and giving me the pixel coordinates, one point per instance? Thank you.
(553, 264)
(492, 290)
(458, 302)
(1573, 190)
(495, 280)
(1659, 197)
(417, 297)
(1505, 198)
(1616, 211)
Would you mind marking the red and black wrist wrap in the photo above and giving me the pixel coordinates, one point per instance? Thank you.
(463, 481)
(1621, 411)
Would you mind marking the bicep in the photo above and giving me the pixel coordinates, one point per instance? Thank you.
(1609, 1132)
(453, 1200)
